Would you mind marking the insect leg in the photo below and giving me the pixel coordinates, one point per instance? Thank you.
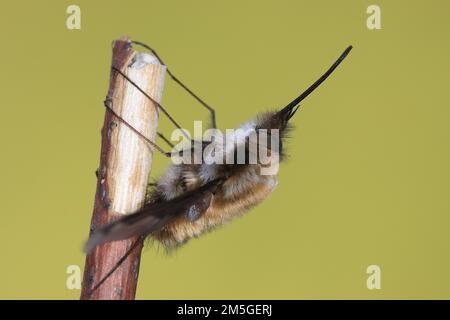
(165, 139)
(108, 105)
(211, 111)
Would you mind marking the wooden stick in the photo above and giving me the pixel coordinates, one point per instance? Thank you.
(125, 164)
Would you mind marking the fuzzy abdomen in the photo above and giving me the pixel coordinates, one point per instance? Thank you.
(223, 208)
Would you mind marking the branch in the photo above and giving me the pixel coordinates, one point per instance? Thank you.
(125, 164)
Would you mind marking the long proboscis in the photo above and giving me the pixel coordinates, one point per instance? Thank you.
(318, 82)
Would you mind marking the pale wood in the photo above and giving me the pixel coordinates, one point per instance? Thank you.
(124, 170)
(130, 164)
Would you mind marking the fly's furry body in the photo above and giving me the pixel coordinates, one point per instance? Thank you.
(190, 199)
(242, 188)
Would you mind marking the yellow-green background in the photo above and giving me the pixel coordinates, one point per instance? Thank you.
(367, 181)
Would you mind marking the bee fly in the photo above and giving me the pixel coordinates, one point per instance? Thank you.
(190, 199)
